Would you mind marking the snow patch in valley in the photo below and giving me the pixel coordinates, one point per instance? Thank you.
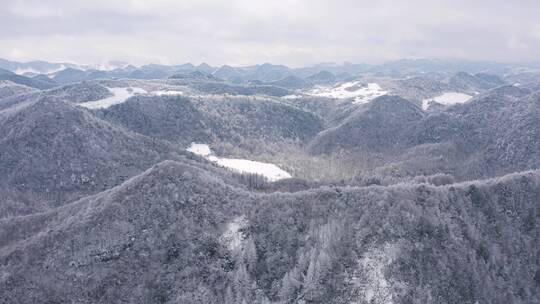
(120, 95)
(448, 98)
(200, 149)
(270, 171)
(167, 93)
(291, 96)
(360, 92)
(233, 235)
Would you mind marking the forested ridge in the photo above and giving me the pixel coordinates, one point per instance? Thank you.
(177, 233)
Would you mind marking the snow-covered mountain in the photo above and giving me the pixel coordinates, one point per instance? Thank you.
(408, 182)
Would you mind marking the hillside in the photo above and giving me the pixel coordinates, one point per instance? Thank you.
(179, 234)
(52, 152)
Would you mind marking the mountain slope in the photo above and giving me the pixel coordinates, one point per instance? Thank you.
(233, 120)
(291, 82)
(176, 234)
(53, 151)
(9, 89)
(26, 81)
(236, 119)
(172, 118)
(478, 82)
(322, 77)
(376, 126)
(80, 92)
(496, 133)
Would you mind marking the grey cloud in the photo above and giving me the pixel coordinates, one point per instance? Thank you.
(294, 32)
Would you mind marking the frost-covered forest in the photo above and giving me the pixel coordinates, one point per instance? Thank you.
(270, 184)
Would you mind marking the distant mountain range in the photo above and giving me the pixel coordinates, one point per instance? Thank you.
(266, 73)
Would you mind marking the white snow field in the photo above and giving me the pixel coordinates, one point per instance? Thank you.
(361, 92)
(291, 96)
(200, 149)
(270, 171)
(167, 93)
(448, 98)
(119, 96)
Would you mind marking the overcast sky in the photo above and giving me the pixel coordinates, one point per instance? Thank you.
(292, 32)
